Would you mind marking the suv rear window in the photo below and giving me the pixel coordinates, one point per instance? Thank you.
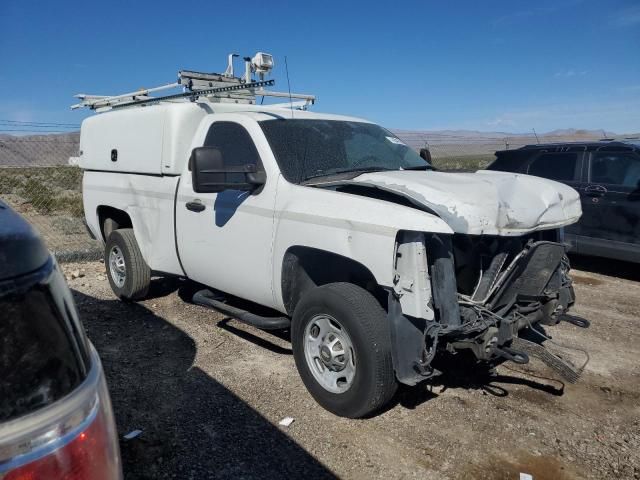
(555, 166)
(41, 357)
(510, 161)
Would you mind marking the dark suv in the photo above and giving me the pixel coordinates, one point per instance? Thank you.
(55, 413)
(607, 176)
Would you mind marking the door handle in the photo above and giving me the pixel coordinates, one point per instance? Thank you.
(595, 190)
(196, 206)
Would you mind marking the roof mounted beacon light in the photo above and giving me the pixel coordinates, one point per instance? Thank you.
(262, 63)
(207, 87)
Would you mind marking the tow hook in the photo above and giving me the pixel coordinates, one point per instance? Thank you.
(515, 356)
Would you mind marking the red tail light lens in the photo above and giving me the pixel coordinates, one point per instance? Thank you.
(72, 439)
(88, 456)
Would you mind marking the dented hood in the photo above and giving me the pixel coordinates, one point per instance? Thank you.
(484, 202)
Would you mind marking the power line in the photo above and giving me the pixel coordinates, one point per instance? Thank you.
(20, 123)
(36, 128)
(33, 131)
(34, 122)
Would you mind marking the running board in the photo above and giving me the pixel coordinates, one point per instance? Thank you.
(565, 369)
(207, 298)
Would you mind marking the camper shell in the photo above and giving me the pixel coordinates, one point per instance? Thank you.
(154, 140)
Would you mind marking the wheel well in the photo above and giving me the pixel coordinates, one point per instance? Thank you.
(119, 219)
(304, 268)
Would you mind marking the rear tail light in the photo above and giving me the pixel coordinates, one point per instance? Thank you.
(72, 439)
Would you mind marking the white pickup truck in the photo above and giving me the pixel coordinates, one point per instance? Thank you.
(375, 261)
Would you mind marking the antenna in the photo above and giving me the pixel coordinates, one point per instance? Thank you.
(537, 139)
(286, 67)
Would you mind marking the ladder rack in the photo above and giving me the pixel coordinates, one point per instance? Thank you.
(194, 95)
(211, 87)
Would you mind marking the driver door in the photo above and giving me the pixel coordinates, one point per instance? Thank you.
(224, 239)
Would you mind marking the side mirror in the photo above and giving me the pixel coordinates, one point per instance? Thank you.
(425, 154)
(209, 174)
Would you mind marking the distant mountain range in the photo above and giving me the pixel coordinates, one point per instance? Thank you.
(38, 150)
(446, 143)
(579, 134)
(68, 136)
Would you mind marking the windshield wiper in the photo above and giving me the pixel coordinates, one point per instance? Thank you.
(328, 173)
(426, 166)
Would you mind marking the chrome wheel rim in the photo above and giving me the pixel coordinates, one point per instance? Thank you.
(329, 353)
(117, 267)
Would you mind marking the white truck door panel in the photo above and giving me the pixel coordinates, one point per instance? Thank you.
(227, 245)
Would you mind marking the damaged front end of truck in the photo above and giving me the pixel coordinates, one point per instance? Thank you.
(476, 293)
(503, 267)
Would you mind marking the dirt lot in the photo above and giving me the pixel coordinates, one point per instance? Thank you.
(208, 393)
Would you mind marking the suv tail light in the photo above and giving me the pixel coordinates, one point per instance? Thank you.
(72, 439)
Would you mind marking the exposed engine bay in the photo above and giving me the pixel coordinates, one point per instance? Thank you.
(482, 290)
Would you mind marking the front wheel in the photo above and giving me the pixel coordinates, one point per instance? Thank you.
(128, 273)
(342, 349)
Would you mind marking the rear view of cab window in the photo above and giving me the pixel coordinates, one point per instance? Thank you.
(38, 361)
(555, 166)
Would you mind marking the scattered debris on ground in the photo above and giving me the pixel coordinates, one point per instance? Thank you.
(132, 434)
(286, 422)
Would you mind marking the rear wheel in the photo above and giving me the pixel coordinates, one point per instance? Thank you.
(128, 273)
(342, 349)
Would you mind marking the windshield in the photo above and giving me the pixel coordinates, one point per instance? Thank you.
(306, 149)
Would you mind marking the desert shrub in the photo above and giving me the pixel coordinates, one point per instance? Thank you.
(47, 189)
(463, 162)
(9, 182)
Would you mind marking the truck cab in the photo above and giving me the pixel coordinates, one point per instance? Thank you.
(374, 260)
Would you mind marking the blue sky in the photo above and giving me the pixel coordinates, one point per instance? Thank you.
(491, 66)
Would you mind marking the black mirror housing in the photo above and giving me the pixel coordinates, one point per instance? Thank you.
(209, 174)
(425, 154)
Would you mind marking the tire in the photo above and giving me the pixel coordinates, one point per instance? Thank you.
(134, 284)
(363, 324)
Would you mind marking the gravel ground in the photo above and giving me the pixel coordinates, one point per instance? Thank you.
(208, 393)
